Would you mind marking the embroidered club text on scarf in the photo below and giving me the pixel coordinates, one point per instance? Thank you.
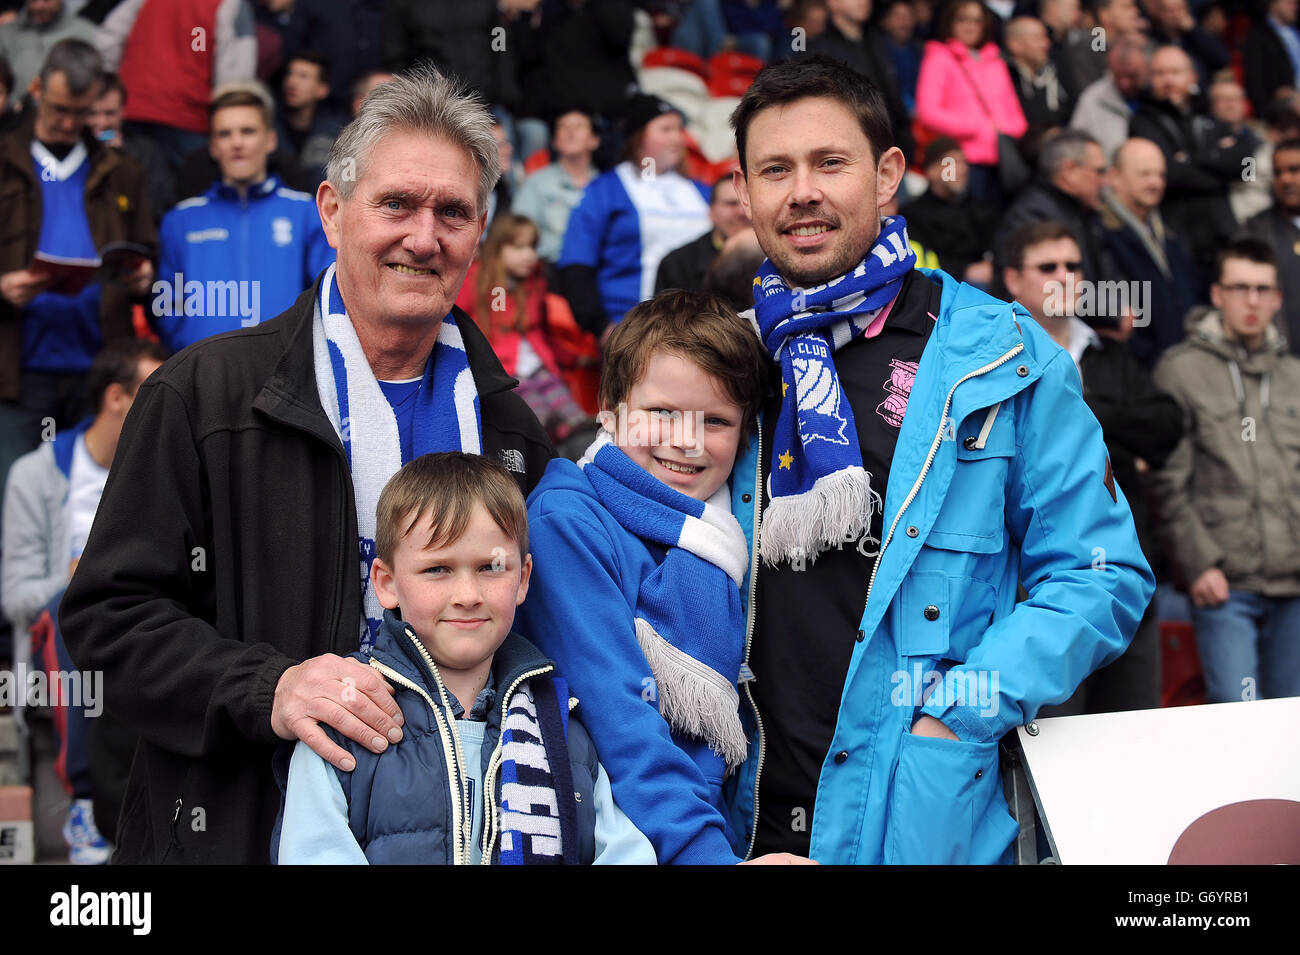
(447, 417)
(820, 494)
(688, 619)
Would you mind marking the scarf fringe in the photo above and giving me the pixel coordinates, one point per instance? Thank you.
(694, 698)
(836, 510)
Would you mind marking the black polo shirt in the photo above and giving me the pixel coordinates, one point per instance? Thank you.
(807, 620)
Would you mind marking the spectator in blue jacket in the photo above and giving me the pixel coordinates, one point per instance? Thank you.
(926, 453)
(246, 248)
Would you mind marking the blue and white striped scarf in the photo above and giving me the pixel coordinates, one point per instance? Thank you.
(446, 417)
(688, 619)
(539, 822)
(820, 494)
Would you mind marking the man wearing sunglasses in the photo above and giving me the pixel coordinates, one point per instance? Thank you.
(1140, 426)
(1230, 500)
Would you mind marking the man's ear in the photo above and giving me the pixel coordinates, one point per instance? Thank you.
(889, 174)
(275, 140)
(1216, 296)
(525, 574)
(381, 579)
(34, 88)
(1011, 279)
(328, 204)
(115, 395)
(742, 190)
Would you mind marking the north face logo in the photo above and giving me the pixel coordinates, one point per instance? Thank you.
(512, 459)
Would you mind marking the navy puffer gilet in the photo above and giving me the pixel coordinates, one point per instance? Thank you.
(399, 802)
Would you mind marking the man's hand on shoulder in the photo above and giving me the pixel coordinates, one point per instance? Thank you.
(342, 692)
(929, 726)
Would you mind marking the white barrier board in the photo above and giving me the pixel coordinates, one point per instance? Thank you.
(1120, 788)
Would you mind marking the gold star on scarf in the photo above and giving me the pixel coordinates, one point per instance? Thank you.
(786, 459)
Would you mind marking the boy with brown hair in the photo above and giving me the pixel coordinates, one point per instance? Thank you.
(512, 780)
(653, 636)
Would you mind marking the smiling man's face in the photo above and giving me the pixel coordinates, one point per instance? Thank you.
(406, 236)
(813, 189)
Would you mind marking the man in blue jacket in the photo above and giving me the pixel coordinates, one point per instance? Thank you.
(927, 450)
(246, 248)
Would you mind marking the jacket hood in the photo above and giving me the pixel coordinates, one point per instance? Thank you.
(1204, 326)
(514, 658)
(65, 442)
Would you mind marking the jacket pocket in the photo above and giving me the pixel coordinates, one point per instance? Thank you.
(923, 614)
(1231, 519)
(972, 516)
(942, 789)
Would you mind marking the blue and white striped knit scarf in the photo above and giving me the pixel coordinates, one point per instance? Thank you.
(539, 822)
(446, 417)
(820, 494)
(688, 618)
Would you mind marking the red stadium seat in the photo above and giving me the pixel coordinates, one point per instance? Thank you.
(539, 159)
(1181, 683)
(731, 74)
(680, 59)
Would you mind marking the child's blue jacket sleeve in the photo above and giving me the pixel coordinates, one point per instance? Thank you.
(315, 828)
(578, 614)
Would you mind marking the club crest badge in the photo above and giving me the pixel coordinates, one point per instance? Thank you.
(899, 387)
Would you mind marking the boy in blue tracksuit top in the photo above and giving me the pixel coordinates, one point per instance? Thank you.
(512, 780)
(639, 560)
(244, 250)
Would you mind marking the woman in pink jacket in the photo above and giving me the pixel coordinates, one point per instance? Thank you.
(964, 91)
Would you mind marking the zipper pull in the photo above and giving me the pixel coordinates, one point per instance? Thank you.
(746, 675)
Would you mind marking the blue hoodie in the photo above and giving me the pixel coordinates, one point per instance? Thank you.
(580, 611)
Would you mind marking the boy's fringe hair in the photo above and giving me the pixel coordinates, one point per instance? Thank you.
(445, 487)
(698, 326)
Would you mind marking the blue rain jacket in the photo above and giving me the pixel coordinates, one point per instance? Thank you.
(978, 500)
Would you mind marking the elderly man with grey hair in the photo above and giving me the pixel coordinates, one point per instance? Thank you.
(224, 581)
(1071, 172)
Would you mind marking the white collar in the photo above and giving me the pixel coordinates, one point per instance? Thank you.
(60, 169)
(1082, 337)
